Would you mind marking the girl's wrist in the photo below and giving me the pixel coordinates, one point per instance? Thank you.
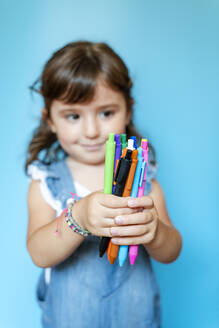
(73, 224)
(77, 214)
(69, 214)
(165, 248)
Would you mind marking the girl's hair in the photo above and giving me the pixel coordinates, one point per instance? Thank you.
(70, 75)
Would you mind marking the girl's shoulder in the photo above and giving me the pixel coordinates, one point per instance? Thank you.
(53, 181)
(38, 170)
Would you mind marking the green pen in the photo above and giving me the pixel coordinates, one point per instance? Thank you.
(108, 182)
(109, 164)
(123, 141)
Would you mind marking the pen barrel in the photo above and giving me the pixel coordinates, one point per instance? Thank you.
(117, 154)
(145, 173)
(120, 182)
(108, 182)
(135, 185)
(123, 141)
(133, 253)
(109, 166)
(129, 182)
(120, 178)
(112, 252)
(141, 191)
(142, 188)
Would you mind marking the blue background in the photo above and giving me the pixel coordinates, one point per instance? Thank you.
(172, 51)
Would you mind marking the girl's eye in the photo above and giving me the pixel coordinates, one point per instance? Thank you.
(72, 117)
(107, 114)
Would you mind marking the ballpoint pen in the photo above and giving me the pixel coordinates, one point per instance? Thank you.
(133, 249)
(120, 178)
(108, 181)
(123, 249)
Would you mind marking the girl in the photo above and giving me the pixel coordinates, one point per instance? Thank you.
(87, 94)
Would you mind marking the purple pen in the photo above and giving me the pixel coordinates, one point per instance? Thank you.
(117, 153)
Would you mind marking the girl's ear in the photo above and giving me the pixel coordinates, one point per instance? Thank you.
(48, 120)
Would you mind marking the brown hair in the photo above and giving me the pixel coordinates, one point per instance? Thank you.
(71, 75)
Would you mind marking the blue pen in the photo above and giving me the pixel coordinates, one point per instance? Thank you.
(137, 173)
(123, 249)
(134, 138)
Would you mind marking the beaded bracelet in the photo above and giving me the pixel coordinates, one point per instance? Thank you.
(73, 224)
(69, 219)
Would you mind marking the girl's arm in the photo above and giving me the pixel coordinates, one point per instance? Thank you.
(151, 226)
(45, 248)
(167, 244)
(95, 212)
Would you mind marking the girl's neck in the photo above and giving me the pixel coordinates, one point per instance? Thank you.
(73, 164)
(90, 176)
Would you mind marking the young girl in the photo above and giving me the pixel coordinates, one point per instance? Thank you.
(87, 94)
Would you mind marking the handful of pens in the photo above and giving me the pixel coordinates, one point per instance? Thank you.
(124, 175)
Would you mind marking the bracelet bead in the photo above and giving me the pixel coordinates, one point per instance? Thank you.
(73, 224)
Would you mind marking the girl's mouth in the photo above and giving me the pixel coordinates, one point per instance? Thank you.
(92, 147)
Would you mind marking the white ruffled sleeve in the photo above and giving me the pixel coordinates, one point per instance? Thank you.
(35, 172)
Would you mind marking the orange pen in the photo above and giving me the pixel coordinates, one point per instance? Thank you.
(112, 250)
(128, 186)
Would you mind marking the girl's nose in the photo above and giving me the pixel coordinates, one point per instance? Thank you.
(91, 127)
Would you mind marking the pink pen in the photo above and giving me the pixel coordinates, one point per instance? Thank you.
(133, 249)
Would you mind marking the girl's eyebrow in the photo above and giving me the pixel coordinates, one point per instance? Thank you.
(65, 109)
(69, 109)
(108, 105)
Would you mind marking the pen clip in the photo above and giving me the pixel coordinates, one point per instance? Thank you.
(142, 174)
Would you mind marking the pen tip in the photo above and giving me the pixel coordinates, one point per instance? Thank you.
(101, 254)
(132, 260)
(121, 263)
(111, 259)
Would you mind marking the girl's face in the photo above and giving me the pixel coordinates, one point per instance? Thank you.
(82, 129)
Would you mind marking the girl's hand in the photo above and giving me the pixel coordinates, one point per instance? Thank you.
(137, 228)
(97, 211)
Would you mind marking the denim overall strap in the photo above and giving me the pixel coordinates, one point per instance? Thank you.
(87, 291)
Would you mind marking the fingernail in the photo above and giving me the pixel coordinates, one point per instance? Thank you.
(118, 220)
(114, 232)
(131, 202)
(114, 241)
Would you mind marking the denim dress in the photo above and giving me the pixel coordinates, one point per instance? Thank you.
(86, 291)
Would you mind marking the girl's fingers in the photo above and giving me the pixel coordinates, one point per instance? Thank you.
(113, 212)
(136, 218)
(103, 232)
(132, 230)
(145, 201)
(108, 222)
(127, 234)
(112, 201)
(110, 229)
(145, 239)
